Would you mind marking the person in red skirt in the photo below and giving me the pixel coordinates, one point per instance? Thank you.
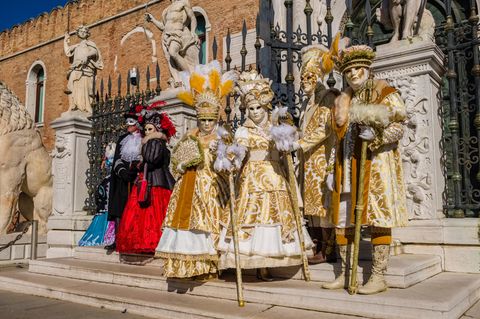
(140, 226)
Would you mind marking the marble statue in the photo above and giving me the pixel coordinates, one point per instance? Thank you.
(25, 166)
(85, 61)
(403, 16)
(179, 41)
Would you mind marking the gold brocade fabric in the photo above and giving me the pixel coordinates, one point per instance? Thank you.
(175, 268)
(263, 198)
(316, 145)
(209, 198)
(386, 199)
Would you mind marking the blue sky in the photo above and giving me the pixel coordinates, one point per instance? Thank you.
(18, 11)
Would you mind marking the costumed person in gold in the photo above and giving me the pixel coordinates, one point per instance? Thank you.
(199, 198)
(266, 223)
(315, 149)
(384, 202)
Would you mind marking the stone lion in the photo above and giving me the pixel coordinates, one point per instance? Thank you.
(25, 165)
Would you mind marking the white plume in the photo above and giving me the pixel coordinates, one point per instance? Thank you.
(278, 113)
(222, 132)
(284, 136)
(239, 152)
(185, 78)
(222, 163)
(230, 75)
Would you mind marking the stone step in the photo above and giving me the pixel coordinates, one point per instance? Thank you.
(100, 254)
(403, 270)
(445, 296)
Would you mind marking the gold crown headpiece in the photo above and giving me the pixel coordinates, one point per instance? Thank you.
(319, 60)
(205, 87)
(254, 88)
(355, 56)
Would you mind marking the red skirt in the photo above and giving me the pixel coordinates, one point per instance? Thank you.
(140, 228)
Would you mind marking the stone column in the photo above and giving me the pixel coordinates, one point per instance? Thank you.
(70, 162)
(416, 70)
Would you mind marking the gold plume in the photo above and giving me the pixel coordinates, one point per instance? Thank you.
(334, 47)
(214, 78)
(196, 82)
(226, 88)
(186, 97)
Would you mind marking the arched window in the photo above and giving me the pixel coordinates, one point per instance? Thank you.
(35, 93)
(202, 30)
(202, 36)
(40, 92)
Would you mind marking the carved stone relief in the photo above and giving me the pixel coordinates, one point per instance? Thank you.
(416, 147)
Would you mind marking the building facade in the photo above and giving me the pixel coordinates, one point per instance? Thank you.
(34, 66)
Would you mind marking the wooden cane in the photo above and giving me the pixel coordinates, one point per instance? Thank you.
(298, 216)
(233, 221)
(353, 287)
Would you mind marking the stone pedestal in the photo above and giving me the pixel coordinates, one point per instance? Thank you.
(416, 70)
(70, 162)
(182, 115)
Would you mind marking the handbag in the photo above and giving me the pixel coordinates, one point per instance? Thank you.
(144, 190)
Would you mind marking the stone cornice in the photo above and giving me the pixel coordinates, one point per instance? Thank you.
(416, 59)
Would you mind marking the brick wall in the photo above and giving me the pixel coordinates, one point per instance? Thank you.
(42, 39)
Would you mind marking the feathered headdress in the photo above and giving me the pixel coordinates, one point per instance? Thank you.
(355, 56)
(205, 88)
(318, 59)
(162, 123)
(254, 88)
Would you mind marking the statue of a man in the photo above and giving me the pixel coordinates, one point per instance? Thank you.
(85, 60)
(179, 40)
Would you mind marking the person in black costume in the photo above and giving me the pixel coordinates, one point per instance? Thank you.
(125, 168)
(141, 224)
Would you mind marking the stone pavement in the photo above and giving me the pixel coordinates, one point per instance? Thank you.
(20, 306)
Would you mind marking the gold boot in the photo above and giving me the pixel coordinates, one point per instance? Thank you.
(340, 281)
(377, 282)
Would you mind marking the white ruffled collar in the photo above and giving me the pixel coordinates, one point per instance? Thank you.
(130, 147)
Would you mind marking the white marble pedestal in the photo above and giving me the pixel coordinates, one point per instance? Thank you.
(68, 221)
(416, 70)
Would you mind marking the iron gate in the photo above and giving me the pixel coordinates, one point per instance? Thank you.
(279, 59)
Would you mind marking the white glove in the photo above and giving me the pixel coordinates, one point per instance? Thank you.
(330, 181)
(181, 168)
(366, 133)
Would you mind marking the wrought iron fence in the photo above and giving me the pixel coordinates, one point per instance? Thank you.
(108, 123)
(279, 59)
(460, 42)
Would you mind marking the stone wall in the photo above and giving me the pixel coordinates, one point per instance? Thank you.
(113, 27)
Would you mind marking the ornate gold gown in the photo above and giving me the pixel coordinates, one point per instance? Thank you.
(384, 189)
(191, 226)
(316, 149)
(267, 232)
